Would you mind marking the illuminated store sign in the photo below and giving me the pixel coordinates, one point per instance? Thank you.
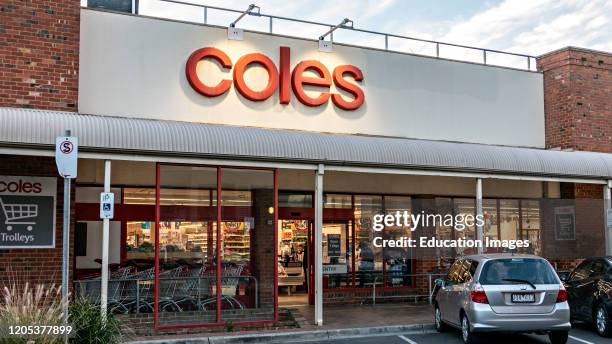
(280, 78)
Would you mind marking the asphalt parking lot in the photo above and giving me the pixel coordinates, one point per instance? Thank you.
(578, 335)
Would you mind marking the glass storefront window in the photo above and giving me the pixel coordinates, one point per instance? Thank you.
(187, 245)
(236, 242)
(189, 242)
(294, 200)
(398, 260)
(491, 225)
(233, 198)
(463, 207)
(337, 201)
(509, 219)
(444, 206)
(530, 226)
(205, 197)
(336, 259)
(368, 259)
(248, 231)
(168, 196)
(140, 240)
(139, 196)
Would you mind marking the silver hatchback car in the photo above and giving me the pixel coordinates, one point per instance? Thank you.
(502, 293)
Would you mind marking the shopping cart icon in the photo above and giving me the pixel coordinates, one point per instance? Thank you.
(18, 214)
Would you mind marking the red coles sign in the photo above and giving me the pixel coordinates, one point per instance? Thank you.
(280, 78)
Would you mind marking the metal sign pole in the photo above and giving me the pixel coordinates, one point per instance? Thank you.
(65, 248)
(479, 212)
(608, 216)
(318, 246)
(105, 235)
(66, 159)
(65, 252)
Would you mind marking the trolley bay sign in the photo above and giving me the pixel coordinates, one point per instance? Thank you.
(27, 212)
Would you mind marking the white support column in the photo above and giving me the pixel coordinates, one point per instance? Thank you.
(105, 239)
(608, 216)
(479, 229)
(318, 245)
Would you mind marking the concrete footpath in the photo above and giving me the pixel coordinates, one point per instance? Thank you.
(297, 336)
(343, 316)
(339, 322)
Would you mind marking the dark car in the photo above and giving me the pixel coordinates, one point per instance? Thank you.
(590, 293)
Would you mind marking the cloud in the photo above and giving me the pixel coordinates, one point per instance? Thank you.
(534, 27)
(583, 24)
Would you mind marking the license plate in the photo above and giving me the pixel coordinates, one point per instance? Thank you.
(523, 298)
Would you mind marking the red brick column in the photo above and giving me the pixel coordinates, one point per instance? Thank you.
(263, 260)
(577, 99)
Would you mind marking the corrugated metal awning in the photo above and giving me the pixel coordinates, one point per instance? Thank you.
(28, 127)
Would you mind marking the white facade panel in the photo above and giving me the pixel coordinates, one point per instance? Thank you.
(135, 67)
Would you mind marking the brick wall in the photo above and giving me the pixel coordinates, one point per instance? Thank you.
(588, 236)
(39, 54)
(35, 265)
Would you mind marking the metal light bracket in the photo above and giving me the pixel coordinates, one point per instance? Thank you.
(327, 46)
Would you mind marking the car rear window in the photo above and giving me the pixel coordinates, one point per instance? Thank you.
(503, 271)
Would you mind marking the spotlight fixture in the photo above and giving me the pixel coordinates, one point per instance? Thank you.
(236, 34)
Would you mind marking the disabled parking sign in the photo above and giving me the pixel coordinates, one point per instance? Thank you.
(27, 212)
(107, 205)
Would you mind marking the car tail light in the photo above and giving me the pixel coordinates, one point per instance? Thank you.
(479, 296)
(562, 296)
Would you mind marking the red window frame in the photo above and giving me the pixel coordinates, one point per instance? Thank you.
(219, 321)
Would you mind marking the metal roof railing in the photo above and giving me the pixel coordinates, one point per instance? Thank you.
(270, 24)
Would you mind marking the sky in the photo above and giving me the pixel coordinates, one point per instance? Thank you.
(531, 27)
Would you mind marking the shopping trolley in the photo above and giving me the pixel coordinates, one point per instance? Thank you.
(15, 214)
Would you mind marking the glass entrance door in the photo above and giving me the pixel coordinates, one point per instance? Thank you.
(294, 261)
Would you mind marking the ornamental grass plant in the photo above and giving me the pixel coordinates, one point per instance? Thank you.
(27, 305)
(86, 319)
